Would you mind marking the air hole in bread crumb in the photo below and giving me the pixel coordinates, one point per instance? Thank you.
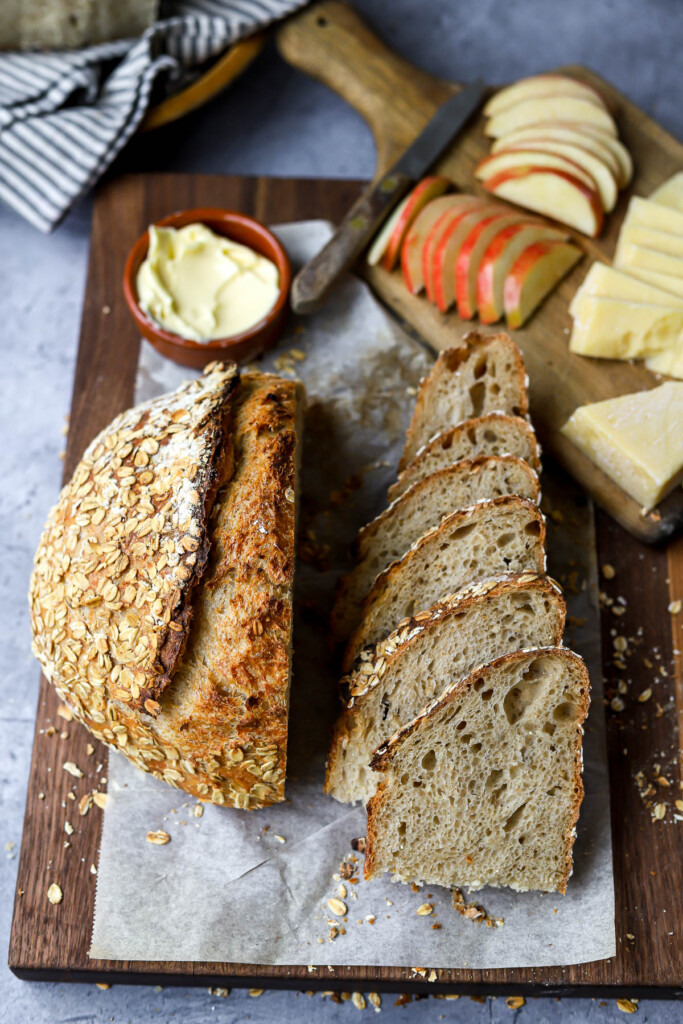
(533, 529)
(514, 818)
(429, 761)
(564, 712)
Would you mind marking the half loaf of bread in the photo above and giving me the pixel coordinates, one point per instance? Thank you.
(417, 510)
(484, 786)
(161, 599)
(393, 681)
(493, 434)
(485, 373)
(502, 535)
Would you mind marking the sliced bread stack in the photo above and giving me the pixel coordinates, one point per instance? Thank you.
(449, 588)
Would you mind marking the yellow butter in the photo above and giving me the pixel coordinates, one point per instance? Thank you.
(637, 440)
(203, 286)
(670, 193)
(616, 329)
(609, 283)
(628, 255)
(654, 215)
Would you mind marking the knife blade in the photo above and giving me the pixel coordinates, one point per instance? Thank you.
(315, 280)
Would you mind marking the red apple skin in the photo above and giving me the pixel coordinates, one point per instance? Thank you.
(485, 298)
(448, 221)
(462, 267)
(520, 172)
(514, 282)
(428, 188)
(440, 251)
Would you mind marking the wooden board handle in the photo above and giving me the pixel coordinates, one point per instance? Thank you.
(331, 43)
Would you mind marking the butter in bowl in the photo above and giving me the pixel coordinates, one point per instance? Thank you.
(208, 284)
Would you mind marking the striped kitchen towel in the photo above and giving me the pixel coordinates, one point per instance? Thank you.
(65, 115)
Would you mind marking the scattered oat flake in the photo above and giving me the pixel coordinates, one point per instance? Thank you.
(609, 572)
(198, 810)
(84, 804)
(222, 992)
(627, 1005)
(375, 999)
(100, 800)
(425, 909)
(55, 894)
(90, 750)
(337, 907)
(280, 839)
(65, 712)
(104, 985)
(516, 1002)
(679, 805)
(358, 1000)
(68, 828)
(617, 704)
(254, 992)
(675, 607)
(159, 838)
(341, 891)
(645, 695)
(72, 769)
(93, 869)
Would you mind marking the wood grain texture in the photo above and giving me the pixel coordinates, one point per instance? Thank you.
(330, 42)
(51, 943)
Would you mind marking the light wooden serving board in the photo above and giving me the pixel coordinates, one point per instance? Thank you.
(330, 42)
(51, 942)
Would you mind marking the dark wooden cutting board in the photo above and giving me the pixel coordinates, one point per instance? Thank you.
(330, 42)
(51, 942)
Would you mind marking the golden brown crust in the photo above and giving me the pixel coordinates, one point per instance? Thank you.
(385, 753)
(449, 362)
(237, 621)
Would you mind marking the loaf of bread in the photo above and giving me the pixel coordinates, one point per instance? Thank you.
(417, 510)
(394, 680)
(68, 24)
(161, 598)
(484, 374)
(502, 535)
(493, 434)
(484, 786)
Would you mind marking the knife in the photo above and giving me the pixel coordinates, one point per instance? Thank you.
(315, 280)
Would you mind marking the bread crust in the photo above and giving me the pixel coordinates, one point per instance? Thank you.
(448, 364)
(374, 661)
(385, 753)
(446, 439)
(207, 718)
(454, 521)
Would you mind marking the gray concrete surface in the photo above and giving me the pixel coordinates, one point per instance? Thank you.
(274, 121)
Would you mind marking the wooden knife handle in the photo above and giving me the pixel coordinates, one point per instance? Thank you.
(312, 284)
(331, 43)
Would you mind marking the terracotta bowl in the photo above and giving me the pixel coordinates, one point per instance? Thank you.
(238, 347)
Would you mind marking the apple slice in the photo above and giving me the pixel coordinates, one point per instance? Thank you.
(445, 224)
(563, 132)
(513, 157)
(550, 108)
(413, 244)
(447, 249)
(387, 244)
(551, 192)
(599, 174)
(501, 254)
(619, 150)
(534, 274)
(540, 85)
(469, 258)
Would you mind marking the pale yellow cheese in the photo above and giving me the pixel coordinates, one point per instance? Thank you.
(670, 362)
(628, 255)
(654, 215)
(637, 440)
(649, 238)
(670, 193)
(665, 282)
(609, 283)
(615, 329)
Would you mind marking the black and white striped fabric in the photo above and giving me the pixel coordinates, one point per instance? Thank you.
(64, 116)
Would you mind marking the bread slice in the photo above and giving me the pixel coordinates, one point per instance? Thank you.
(394, 680)
(484, 786)
(501, 535)
(493, 434)
(421, 507)
(484, 374)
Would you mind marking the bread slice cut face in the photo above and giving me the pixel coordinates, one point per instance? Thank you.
(394, 680)
(492, 434)
(502, 535)
(484, 374)
(421, 507)
(484, 786)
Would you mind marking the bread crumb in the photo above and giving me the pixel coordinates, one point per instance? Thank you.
(55, 894)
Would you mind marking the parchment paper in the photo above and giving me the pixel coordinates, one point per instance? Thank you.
(227, 888)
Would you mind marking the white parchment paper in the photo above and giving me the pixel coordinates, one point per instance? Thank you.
(252, 887)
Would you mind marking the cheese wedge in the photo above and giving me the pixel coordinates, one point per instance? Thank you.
(654, 215)
(609, 283)
(649, 238)
(670, 193)
(637, 440)
(670, 362)
(629, 255)
(664, 282)
(614, 329)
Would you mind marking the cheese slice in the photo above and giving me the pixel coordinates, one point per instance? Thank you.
(664, 282)
(654, 215)
(670, 193)
(637, 440)
(669, 361)
(628, 255)
(649, 238)
(615, 329)
(609, 283)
